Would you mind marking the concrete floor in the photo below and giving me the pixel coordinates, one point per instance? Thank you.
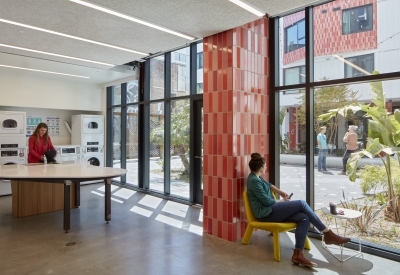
(148, 235)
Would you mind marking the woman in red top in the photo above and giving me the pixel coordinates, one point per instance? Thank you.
(38, 143)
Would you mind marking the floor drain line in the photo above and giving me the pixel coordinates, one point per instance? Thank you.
(71, 244)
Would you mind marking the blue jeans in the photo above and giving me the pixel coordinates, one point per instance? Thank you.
(322, 159)
(298, 212)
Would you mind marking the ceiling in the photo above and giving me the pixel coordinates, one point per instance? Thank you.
(197, 18)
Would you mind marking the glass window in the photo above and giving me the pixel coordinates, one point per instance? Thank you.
(132, 143)
(132, 92)
(292, 51)
(116, 95)
(292, 126)
(180, 73)
(116, 137)
(199, 66)
(294, 75)
(157, 77)
(157, 146)
(358, 19)
(295, 36)
(180, 141)
(359, 65)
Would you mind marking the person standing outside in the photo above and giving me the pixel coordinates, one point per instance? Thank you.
(350, 138)
(38, 143)
(323, 150)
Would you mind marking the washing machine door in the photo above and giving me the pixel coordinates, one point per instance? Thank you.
(94, 161)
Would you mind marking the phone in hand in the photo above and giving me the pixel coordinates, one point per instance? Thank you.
(290, 196)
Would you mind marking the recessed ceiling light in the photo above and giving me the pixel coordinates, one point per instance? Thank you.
(53, 54)
(70, 36)
(247, 7)
(27, 69)
(127, 17)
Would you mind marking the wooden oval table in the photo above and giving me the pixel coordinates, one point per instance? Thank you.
(65, 174)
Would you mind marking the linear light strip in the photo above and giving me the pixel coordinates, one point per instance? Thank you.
(351, 64)
(42, 71)
(70, 36)
(247, 7)
(130, 18)
(53, 54)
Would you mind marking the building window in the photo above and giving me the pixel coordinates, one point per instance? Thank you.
(359, 65)
(180, 57)
(294, 75)
(295, 36)
(199, 64)
(358, 19)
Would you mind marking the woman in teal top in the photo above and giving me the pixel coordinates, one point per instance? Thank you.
(267, 209)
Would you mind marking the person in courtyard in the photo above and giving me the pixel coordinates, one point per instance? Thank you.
(350, 138)
(267, 209)
(323, 150)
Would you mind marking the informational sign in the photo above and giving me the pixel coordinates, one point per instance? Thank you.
(31, 123)
(53, 123)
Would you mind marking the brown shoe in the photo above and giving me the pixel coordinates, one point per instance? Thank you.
(342, 173)
(299, 258)
(332, 238)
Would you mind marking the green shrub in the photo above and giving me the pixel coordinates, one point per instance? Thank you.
(373, 177)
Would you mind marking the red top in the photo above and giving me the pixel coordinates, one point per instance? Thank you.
(36, 150)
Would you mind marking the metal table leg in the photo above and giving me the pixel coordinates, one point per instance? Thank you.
(67, 205)
(107, 216)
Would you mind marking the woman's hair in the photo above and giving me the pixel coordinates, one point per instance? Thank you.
(256, 162)
(36, 133)
(353, 127)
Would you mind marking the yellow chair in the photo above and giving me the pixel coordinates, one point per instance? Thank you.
(274, 227)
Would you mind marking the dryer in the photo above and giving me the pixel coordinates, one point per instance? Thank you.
(12, 123)
(10, 156)
(87, 128)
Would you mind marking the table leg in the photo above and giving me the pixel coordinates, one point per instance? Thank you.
(78, 194)
(67, 205)
(107, 183)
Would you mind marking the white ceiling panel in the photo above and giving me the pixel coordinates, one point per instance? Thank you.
(197, 18)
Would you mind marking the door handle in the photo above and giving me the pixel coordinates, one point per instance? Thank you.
(198, 157)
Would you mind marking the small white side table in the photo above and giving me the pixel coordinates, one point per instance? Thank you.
(348, 215)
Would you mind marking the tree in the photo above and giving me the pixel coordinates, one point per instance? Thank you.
(326, 98)
(383, 138)
(180, 132)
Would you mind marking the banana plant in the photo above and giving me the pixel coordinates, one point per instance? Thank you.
(383, 136)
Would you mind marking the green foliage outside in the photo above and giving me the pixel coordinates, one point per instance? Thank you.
(325, 99)
(180, 133)
(383, 139)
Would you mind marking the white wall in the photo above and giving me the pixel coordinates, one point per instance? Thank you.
(30, 90)
(65, 115)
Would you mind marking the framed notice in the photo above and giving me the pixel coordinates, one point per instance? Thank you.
(31, 123)
(53, 123)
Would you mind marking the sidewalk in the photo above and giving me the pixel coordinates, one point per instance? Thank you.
(328, 185)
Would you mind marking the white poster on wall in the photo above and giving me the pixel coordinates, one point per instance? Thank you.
(53, 123)
(31, 123)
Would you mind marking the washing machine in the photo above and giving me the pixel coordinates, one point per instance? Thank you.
(87, 129)
(68, 153)
(10, 156)
(93, 155)
(12, 123)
